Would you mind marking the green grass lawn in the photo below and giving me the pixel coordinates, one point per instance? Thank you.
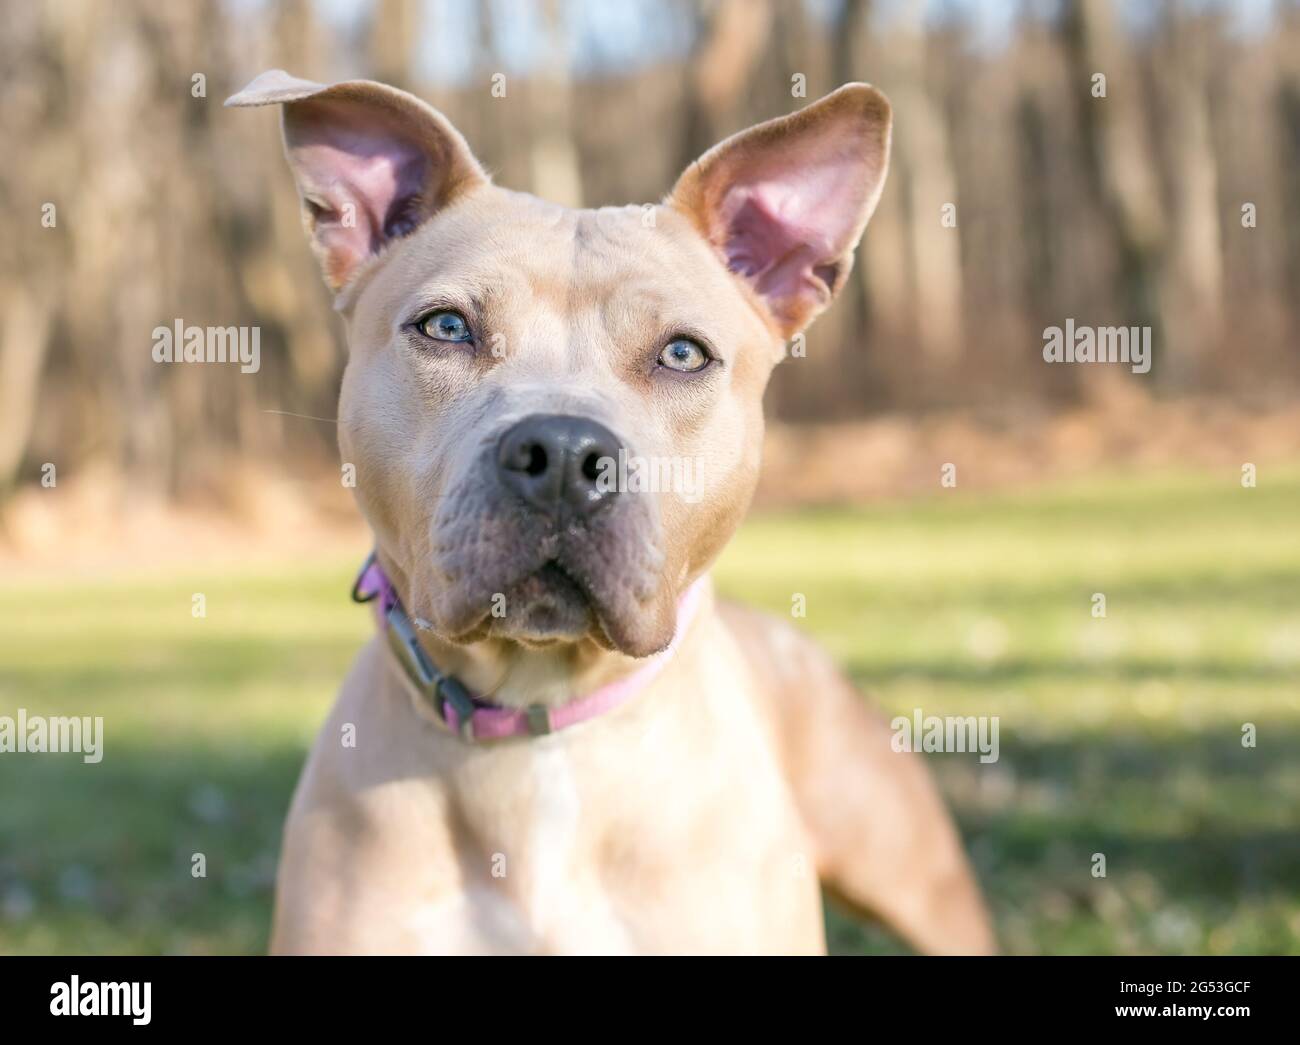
(1120, 736)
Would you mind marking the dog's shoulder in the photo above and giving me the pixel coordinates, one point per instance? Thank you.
(779, 654)
(798, 688)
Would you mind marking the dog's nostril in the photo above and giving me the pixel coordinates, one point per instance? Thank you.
(555, 462)
(537, 460)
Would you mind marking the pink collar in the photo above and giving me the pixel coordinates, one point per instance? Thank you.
(474, 718)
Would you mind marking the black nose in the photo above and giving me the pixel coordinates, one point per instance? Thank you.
(555, 463)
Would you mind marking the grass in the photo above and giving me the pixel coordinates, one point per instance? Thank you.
(1119, 735)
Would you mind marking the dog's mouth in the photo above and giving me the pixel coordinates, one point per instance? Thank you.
(557, 602)
(547, 606)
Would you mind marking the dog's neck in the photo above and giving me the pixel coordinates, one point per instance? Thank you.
(513, 675)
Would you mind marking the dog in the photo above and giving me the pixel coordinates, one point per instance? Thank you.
(559, 740)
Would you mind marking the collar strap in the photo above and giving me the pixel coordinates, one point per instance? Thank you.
(474, 718)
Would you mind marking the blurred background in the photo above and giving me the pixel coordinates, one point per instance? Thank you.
(131, 199)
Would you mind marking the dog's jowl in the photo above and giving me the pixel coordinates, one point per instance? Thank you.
(559, 740)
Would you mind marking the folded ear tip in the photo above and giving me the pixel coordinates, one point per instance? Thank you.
(271, 88)
(867, 99)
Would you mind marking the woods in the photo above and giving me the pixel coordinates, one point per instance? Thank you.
(1116, 165)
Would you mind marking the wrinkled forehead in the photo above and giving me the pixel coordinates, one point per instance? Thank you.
(512, 256)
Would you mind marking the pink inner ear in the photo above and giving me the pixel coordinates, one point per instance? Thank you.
(787, 229)
(361, 179)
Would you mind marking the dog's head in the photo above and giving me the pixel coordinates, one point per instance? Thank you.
(555, 415)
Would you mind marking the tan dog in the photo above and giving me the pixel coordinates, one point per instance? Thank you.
(503, 352)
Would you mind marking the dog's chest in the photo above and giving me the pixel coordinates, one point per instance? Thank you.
(685, 840)
(529, 885)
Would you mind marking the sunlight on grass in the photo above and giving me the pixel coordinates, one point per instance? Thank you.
(1119, 736)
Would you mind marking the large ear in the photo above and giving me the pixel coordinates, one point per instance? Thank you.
(371, 162)
(784, 203)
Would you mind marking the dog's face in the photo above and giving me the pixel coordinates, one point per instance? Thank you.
(503, 362)
(555, 415)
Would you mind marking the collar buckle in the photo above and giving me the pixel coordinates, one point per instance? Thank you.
(539, 720)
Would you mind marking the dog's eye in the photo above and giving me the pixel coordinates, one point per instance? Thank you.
(444, 325)
(684, 355)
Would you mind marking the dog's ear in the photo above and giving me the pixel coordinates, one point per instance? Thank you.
(371, 163)
(784, 203)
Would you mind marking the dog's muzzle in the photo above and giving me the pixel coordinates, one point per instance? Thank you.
(473, 718)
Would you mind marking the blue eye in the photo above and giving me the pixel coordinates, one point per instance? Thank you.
(683, 355)
(444, 325)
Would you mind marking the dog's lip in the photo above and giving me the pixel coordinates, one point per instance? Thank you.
(597, 616)
(598, 613)
(554, 564)
(553, 573)
(601, 631)
(480, 625)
